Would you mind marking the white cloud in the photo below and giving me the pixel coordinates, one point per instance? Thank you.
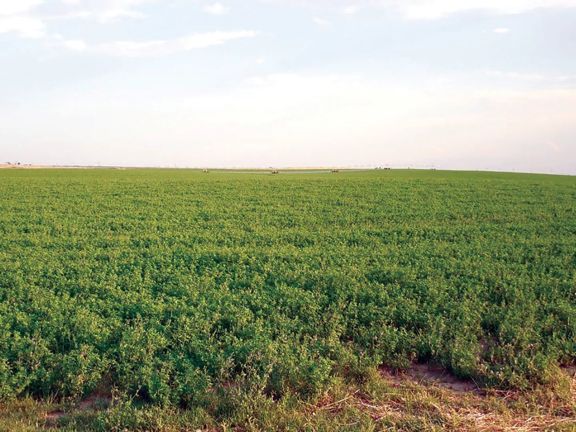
(432, 9)
(216, 9)
(161, 47)
(103, 10)
(19, 17)
(501, 30)
(321, 22)
(75, 45)
(15, 18)
(16, 7)
(350, 10)
(533, 77)
(24, 26)
(115, 14)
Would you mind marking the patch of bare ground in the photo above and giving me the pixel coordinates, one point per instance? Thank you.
(465, 407)
(96, 401)
(53, 417)
(99, 400)
(432, 375)
(436, 400)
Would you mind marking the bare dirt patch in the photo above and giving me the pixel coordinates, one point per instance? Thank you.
(53, 417)
(441, 377)
(465, 407)
(99, 400)
(95, 402)
(429, 374)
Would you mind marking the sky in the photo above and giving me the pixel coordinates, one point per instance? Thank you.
(448, 84)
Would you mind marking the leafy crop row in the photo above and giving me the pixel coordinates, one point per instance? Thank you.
(168, 284)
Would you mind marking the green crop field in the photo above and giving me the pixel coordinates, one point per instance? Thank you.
(170, 287)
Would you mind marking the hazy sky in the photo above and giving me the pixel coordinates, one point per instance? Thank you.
(466, 84)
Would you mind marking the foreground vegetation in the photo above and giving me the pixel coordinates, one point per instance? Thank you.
(233, 296)
(380, 402)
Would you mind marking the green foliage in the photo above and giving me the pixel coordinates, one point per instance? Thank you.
(172, 285)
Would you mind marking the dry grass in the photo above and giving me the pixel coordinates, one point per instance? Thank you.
(442, 404)
(383, 402)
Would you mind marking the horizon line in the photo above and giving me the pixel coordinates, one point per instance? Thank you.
(18, 165)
